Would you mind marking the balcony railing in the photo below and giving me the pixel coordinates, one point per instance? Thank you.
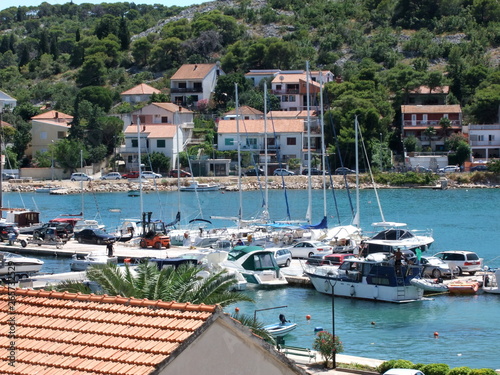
(411, 123)
(286, 92)
(495, 143)
(186, 90)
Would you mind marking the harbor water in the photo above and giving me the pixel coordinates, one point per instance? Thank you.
(460, 220)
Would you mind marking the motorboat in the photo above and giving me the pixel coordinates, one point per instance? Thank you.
(377, 277)
(280, 329)
(47, 189)
(133, 193)
(17, 265)
(82, 262)
(197, 186)
(490, 281)
(26, 220)
(87, 224)
(396, 235)
(257, 265)
(464, 287)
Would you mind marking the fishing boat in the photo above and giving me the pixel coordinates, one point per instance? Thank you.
(377, 277)
(197, 186)
(490, 281)
(16, 266)
(257, 265)
(26, 220)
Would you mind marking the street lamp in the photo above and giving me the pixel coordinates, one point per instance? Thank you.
(334, 350)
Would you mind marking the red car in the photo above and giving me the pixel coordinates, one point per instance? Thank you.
(131, 174)
(175, 172)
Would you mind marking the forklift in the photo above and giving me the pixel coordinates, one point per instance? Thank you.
(153, 233)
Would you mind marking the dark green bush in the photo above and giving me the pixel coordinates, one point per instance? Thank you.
(482, 371)
(395, 363)
(435, 369)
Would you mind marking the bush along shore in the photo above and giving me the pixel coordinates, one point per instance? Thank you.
(231, 183)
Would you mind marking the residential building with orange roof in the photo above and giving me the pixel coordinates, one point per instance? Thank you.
(139, 93)
(50, 333)
(245, 112)
(192, 83)
(291, 87)
(424, 95)
(417, 118)
(286, 138)
(46, 128)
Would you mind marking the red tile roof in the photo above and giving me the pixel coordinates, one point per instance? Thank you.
(73, 333)
(453, 108)
(172, 107)
(142, 89)
(192, 71)
(153, 130)
(51, 115)
(245, 110)
(257, 126)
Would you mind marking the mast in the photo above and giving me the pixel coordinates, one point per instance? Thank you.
(266, 203)
(140, 162)
(81, 183)
(309, 164)
(356, 152)
(323, 150)
(240, 211)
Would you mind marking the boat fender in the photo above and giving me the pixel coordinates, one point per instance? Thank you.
(353, 291)
(375, 292)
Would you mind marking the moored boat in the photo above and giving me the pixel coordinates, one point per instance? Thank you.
(490, 281)
(197, 186)
(280, 329)
(430, 285)
(81, 263)
(463, 287)
(15, 266)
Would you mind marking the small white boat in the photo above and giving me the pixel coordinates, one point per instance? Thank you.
(429, 285)
(280, 329)
(17, 265)
(490, 281)
(81, 263)
(197, 186)
(47, 189)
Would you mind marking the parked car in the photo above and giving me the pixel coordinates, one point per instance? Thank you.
(314, 171)
(449, 169)
(254, 172)
(283, 172)
(7, 176)
(97, 236)
(435, 267)
(59, 229)
(328, 259)
(479, 168)
(176, 172)
(283, 257)
(150, 174)
(344, 170)
(78, 176)
(6, 229)
(131, 174)
(306, 249)
(112, 176)
(463, 261)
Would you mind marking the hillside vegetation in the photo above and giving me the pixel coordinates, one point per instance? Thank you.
(78, 58)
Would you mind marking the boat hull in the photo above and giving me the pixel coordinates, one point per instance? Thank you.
(279, 329)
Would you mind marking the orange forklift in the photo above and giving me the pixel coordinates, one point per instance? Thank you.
(154, 233)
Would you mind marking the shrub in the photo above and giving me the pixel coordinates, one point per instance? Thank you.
(395, 363)
(482, 371)
(460, 371)
(325, 343)
(387, 365)
(436, 369)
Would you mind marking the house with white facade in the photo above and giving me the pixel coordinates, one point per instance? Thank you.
(292, 88)
(160, 127)
(47, 128)
(244, 112)
(7, 102)
(257, 75)
(484, 141)
(139, 93)
(192, 83)
(285, 138)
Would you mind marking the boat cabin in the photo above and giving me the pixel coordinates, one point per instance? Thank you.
(253, 258)
(22, 217)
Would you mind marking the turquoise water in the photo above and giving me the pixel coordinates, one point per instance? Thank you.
(460, 219)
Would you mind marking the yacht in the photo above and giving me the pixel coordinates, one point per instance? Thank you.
(17, 266)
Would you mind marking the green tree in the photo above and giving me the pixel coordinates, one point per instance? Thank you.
(445, 127)
(92, 72)
(485, 104)
(124, 34)
(429, 132)
(141, 50)
(67, 153)
(97, 95)
(159, 162)
(183, 284)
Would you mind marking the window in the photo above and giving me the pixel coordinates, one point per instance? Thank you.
(229, 141)
(291, 141)
(164, 119)
(43, 135)
(291, 98)
(251, 141)
(160, 143)
(424, 119)
(182, 85)
(480, 138)
(61, 135)
(414, 119)
(135, 143)
(284, 98)
(491, 137)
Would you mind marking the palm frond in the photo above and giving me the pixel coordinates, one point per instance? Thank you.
(72, 286)
(256, 326)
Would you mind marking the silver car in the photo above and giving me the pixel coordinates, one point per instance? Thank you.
(283, 257)
(435, 267)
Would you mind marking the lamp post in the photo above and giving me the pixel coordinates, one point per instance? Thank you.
(334, 350)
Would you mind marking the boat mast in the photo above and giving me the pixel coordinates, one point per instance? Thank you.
(309, 164)
(139, 161)
(240, 211)
(323, 150)
(266, 203)
(356, 153)
(81, 182)
(178, 167)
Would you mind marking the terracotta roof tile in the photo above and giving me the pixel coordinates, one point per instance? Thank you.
(141, 89)
(257, 126)
(69, 333)
(192, 71)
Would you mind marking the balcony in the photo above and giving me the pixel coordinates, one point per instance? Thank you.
(410, 123)
(186, 90)
(286, 92)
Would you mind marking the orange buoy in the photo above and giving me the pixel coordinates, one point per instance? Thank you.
(237, 309)
(436, 334)
(308, 317)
